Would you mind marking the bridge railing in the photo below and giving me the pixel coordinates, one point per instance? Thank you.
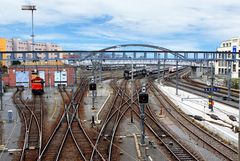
(118, 55)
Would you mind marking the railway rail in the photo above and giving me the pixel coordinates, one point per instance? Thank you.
(169, 141)
(31, 116)
(69, 131)
(111, 123)
(70, 140)
(185, 83)
(215, 145)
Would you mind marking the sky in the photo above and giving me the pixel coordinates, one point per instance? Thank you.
(96, 24)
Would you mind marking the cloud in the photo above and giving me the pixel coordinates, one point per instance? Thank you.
(85, 46)
(45, 37)
(123, 21)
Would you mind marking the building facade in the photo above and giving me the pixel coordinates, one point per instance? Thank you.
(51, 74)
(19, 45)
(221, 66)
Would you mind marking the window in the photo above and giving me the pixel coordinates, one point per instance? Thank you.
(234, 67)
(223, 44)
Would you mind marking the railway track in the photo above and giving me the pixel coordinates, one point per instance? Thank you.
(107, 142)
(216, 146)
(78, 135)
(170, 142)
(31, 116)
(69, 140)
(176, 148)
(106, 136)
(185, 83)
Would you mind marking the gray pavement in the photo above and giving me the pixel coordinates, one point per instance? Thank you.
(101, 94)
(10, 131)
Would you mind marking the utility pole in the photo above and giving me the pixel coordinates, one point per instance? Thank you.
(158, 68)
(101, 69)
(31, 8)
(143, 99)
(132, 93)
(177, 74)
(212, 80)
(93, 88)
(75, 76)
(229, 79)
(164, 62)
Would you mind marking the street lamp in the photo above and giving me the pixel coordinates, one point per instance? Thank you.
(31, 8)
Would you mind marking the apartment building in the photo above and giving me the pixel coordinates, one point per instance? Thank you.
(221, 67)
(20, 45)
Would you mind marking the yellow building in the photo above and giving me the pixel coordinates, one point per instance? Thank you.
(21, 45)
(3, 47)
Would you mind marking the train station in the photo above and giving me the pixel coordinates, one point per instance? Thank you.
(109, 96)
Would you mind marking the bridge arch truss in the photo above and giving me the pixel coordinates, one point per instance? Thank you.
(140, 52)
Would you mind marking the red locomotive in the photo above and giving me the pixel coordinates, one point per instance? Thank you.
(37, 86)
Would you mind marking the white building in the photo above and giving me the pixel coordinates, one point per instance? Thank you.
(221, 66)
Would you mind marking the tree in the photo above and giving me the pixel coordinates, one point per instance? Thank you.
(16, 62)
(4, 69)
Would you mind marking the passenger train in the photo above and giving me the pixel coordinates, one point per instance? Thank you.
(127, 74)
(173, 69)
(141, 72)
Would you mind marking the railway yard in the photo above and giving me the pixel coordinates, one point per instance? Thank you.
(79, 123)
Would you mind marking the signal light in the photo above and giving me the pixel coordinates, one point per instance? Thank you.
(143, 98)
(144, 72)
(92, 86)
(210, 102)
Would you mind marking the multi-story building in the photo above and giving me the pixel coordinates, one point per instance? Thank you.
(19, 45)
(221, 66)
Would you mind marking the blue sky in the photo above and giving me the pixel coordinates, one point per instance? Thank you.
(96, 24)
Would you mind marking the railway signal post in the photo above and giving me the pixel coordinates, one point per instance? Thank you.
(212, 86)
(159, 68)
(132, 92)
(93, 88)
(143, 99)
(177, 74)
(210, 102)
